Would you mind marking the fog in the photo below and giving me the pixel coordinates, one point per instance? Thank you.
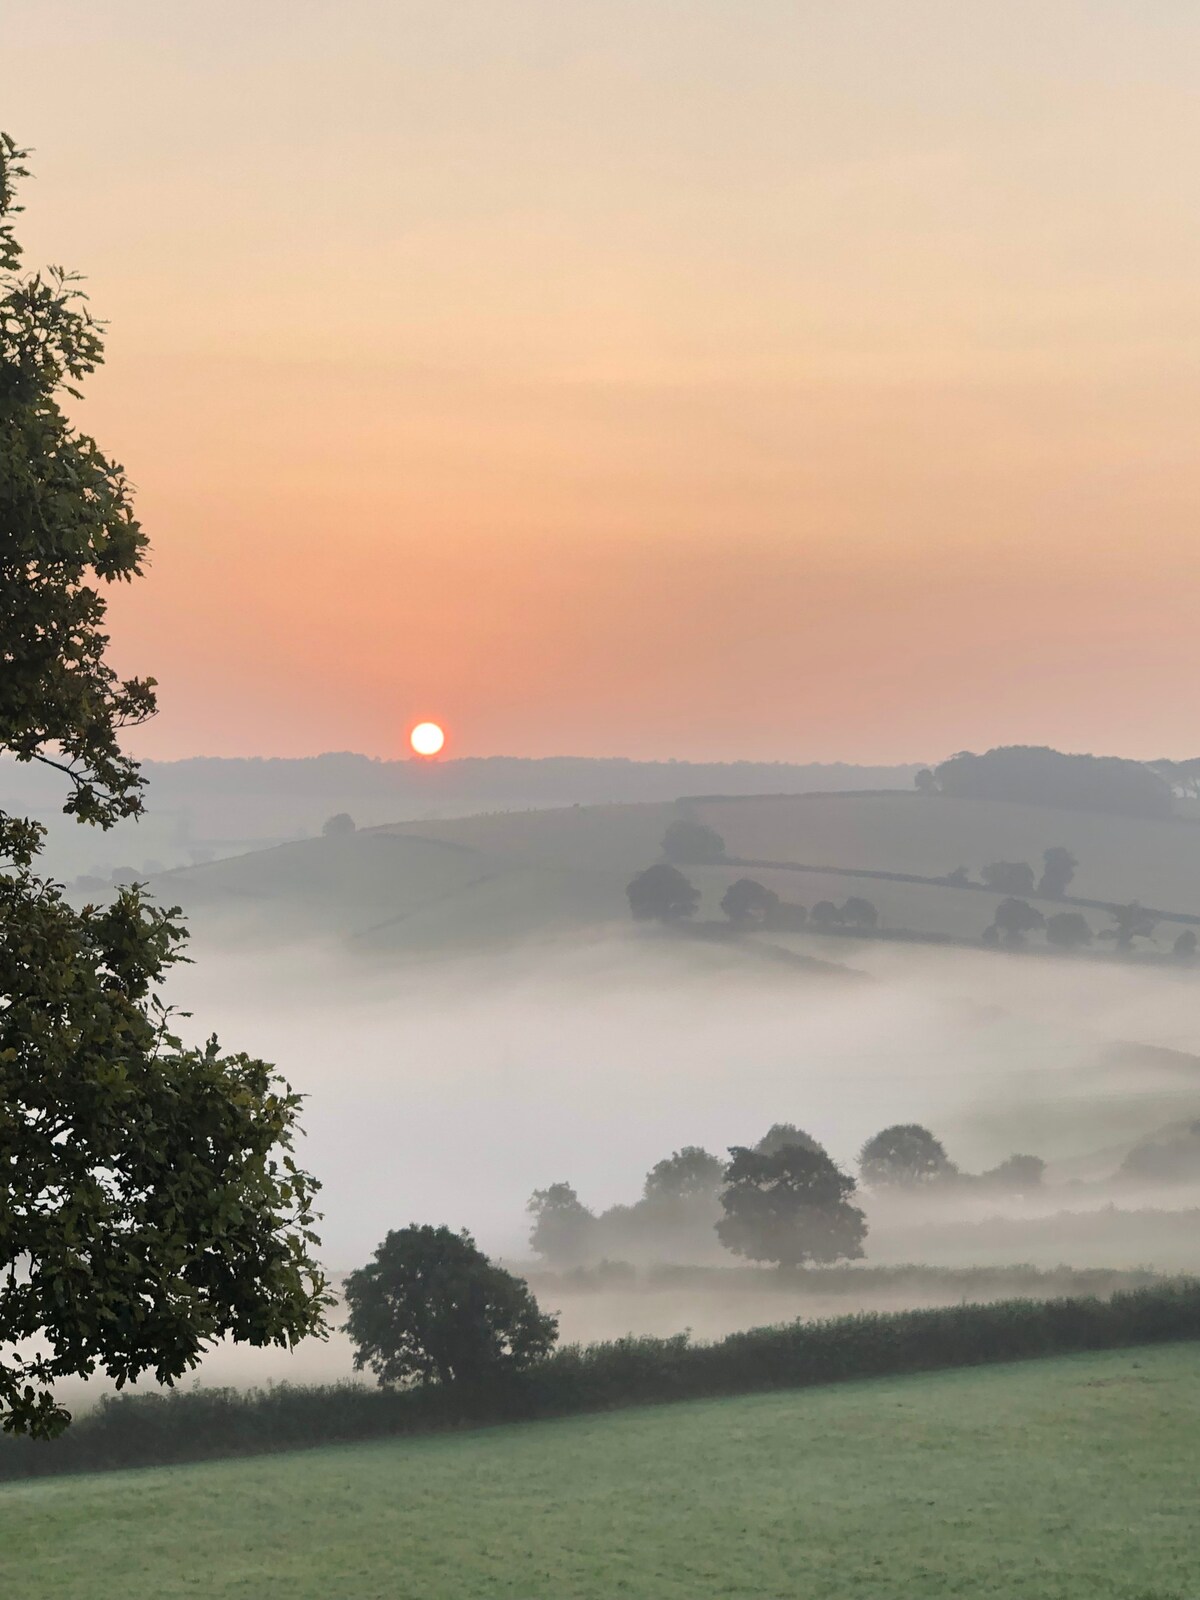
(448, 1091)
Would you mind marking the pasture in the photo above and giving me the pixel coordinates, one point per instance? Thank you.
(1064, 1479)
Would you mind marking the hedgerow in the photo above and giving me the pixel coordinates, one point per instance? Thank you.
(198, 1424)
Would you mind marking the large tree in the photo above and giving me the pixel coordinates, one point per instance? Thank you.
(904, 1156)
(430, 1306)
(149, 1202)
(791, 1207)
(661, 894)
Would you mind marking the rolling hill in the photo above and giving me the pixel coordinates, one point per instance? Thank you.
(492, 880)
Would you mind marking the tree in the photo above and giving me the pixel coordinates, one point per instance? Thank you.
(1009, 877)
(1016, 1175)
(1184, 948)
(1058, 868)
(925, 781)
(824, 915)
(859, 913)
(1034, 775)
(431, 1307)
(687, 1174)
(563, 1228)
(339, 825)
(958, 878)
(904, 1156)
(781, 1134)
(1129, 923)
(690, 843)
(1068, 929)
(149, 1201)
(662, 894)
(747, 903)
(790, 1207)
(1015, 918)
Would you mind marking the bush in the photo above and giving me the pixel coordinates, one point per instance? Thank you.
(152, 1430)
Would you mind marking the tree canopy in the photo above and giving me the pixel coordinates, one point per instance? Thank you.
(791, 1206)
(662, 894)
(690, 843)
(748, 903)
(430, 1306)
(149, 1200)
(563, 1227)
(904, 1156)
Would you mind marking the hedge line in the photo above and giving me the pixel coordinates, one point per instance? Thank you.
(199, 1424)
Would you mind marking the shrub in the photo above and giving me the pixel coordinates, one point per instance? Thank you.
(149, 1430)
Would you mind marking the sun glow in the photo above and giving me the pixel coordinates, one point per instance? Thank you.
(427, 738)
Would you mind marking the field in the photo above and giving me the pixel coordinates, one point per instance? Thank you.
(1068, 1479)
(492, 881)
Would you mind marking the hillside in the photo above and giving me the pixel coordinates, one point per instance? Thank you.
(495, 879)
(1071, 1477)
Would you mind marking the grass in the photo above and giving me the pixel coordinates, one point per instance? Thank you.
(1051, 1480)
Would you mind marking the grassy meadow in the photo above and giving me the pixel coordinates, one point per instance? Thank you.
(1065, 1479)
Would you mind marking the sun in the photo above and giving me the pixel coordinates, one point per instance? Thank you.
(427, 738)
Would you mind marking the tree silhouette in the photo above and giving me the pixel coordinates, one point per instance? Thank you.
(690, 843)
(338, 826)
(431, 1306)
(1069, 929)
(747, 903)
(1058, 868)
(859, 913)
(149, 1200)
(904, 1156)
(790, 1207)
(1015, 918)
(662, 894)
(563, 1228)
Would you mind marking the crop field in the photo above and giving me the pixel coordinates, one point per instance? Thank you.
(1065, 1479)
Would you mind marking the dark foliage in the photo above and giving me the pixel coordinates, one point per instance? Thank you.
(825, 915)
(781, 1134)
(431, 1307)
(1017, 1175)
(748, 904)
(690, 843)
(564, 1230)
(1035, 775)
(904, 1156)
(789, 1206)
(149, 1202)
(1068, 929)
(662, 894)
(687, 1174)
(339, 825)
(1129, 923)
(149, 1430)
(859, 913)
(1184, 948)
(1058, 869)
(1015, 918)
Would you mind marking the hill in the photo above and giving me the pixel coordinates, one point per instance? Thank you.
(1070, 1477)
(495, 879)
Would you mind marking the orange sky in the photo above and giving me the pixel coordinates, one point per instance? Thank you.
(692, 378)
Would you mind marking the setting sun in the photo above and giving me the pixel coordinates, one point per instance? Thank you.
(427, 738)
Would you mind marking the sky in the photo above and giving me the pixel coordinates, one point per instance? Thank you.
(793, 380)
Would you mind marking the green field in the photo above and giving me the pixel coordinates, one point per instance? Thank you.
(1052, 1480)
